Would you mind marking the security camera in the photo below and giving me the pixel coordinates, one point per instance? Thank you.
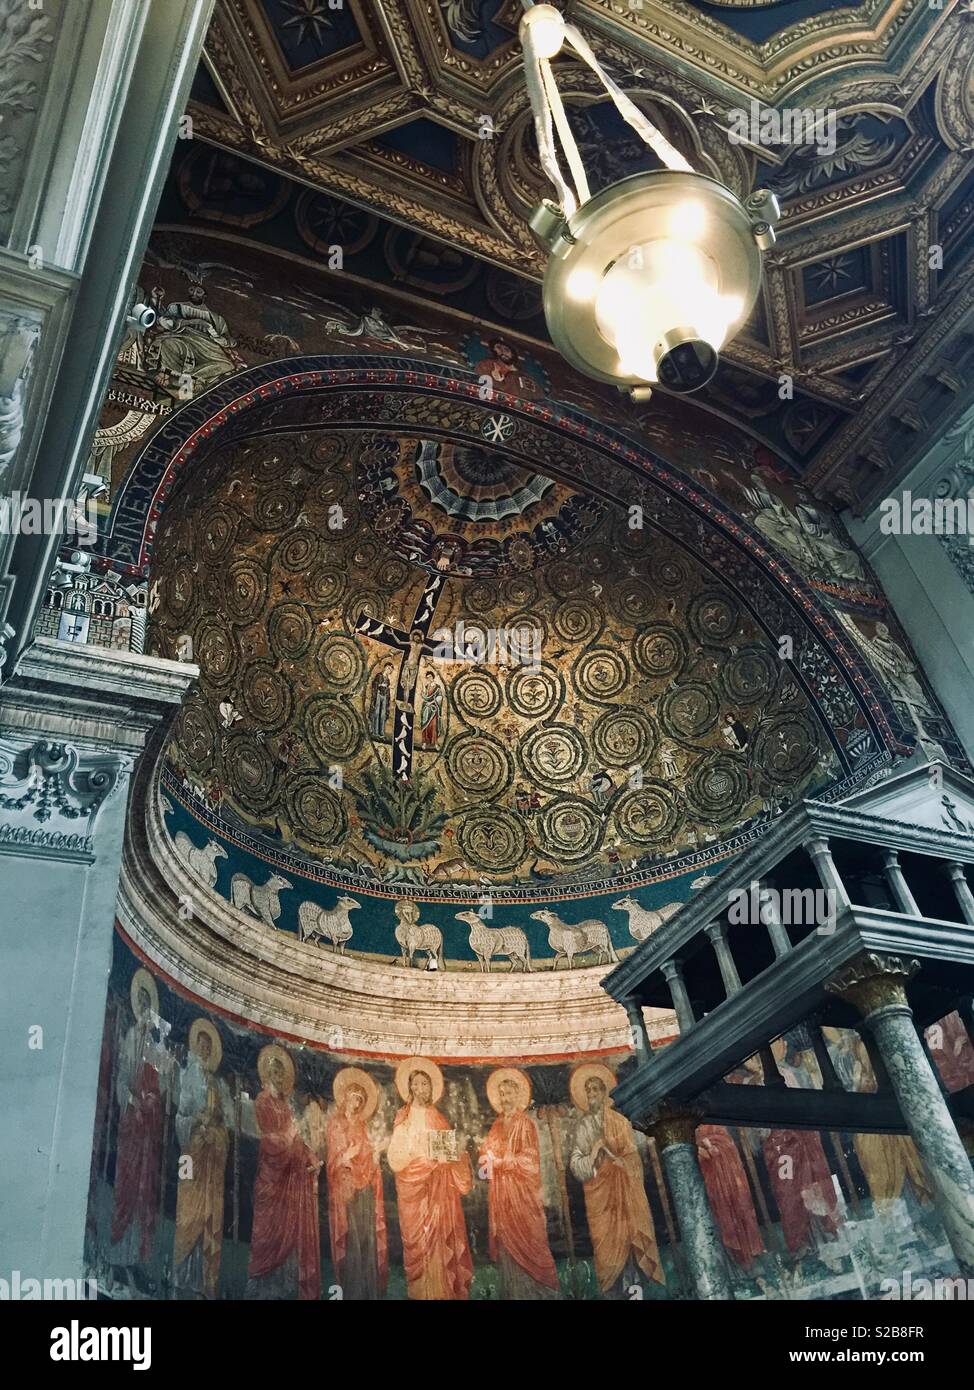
(141, 317)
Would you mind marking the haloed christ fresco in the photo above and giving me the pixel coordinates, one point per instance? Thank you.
(230, 1165)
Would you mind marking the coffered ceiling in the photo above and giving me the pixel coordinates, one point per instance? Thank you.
(415, 112)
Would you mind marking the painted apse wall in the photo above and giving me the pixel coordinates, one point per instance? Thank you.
(231, 1163)
(337, 778)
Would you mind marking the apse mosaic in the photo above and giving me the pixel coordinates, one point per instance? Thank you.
(232, 1164)
(345, 594)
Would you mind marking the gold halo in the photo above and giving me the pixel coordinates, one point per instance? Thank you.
(264, 1058)
(197, 1028)
(410, 1064)
(514, 1074)
(142, 977)
(355, 1076)
(581, 1074)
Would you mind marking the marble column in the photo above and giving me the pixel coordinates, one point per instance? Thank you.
(717, 932)
(673, 974)
(73, 720)
(897, 884)
(962, 890)
(637, 1028)
(876, 986)
(780, 940)
(673, 1127)
(829, 876)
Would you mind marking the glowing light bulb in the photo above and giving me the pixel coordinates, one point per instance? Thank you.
(582, 285)
(658, 295)
(688, 221)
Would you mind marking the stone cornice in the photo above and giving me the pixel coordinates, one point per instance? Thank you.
(91, 695)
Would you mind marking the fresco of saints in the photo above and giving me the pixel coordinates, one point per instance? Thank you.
(431, 1177)
(606, 1162)
(142, 1083)
(201, 1129)
(729, 1194)
(379, 705)
(285, 1256)
(430, 709)
(798, 1171)
(951, 1050)
(511, 1161)
(356, 1210)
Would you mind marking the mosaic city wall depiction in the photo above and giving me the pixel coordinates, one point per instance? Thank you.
(230, 1164)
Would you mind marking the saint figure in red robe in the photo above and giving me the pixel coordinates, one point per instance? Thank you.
(356, 1209)
(285, 1257)
(142, 1082)
(510, 1161)
(729, 1194)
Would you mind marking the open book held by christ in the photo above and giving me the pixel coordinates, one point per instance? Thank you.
(443, 1145)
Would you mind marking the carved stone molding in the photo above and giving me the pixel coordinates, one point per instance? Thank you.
(26, 45)
(872, 982)
(75, 693)
(51, 794)
(73, 719)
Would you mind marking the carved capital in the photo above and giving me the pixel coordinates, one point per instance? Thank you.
(51, 793)
(672, 1123)
(872, 982)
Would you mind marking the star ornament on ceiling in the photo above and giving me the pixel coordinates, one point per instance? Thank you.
(309, 17)
(832, 272)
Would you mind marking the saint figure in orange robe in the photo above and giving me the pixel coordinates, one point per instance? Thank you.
(430, 1180)
(607, 1164)
(510, 1161)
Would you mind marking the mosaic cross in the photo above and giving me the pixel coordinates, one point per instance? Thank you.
(414, 644)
